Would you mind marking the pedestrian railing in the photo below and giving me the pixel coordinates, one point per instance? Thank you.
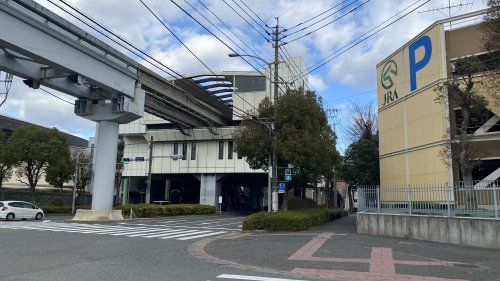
(480, 199)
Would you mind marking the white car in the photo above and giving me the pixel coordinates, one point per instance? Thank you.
(11, 210)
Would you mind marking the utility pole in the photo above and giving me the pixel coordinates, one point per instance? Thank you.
(150, 160)
(275, 116)
(77, 178)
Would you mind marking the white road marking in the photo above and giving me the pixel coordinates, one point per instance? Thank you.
(253, 278)
(124, 229)
(185, 233)
(202, 235)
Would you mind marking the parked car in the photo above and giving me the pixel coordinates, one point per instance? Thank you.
(11, 210)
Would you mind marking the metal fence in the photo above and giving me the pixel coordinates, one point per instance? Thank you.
(47, 198)
(480, 200)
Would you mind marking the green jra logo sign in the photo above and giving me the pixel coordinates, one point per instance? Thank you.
(387, 78)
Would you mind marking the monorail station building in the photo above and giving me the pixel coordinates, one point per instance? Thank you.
(198, 164)
(414, 128)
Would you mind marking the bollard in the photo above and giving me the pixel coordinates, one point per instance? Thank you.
(408, 194)
(495, 200)
(378, 199)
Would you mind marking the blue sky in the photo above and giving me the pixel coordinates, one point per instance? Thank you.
(347, 79)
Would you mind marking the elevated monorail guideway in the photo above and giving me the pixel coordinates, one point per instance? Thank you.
(111, 88)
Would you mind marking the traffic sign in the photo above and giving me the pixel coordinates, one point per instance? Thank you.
(139, 159)
(281, 187)
(288, 174)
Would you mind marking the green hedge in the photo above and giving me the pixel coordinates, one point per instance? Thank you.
(291, 220)
(151, 211)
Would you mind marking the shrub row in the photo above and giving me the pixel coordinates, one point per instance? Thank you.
(297, 220)
(151, 211)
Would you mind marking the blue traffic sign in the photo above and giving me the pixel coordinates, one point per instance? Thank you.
(281, 187)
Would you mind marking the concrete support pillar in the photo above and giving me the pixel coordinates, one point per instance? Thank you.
(105, 166)
(126, 189)
(167, 190)
(208, 190)
(275, 200)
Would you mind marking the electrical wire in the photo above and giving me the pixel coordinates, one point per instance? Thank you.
(234, 10)
(251, 17)
(314, 68)
(220, 40)
(145, 56)
(328, 23)
(375, 27)
(245, 42)
(251, 10)
(222, 32)
(42, 89)
(319, 15)
(176, 37)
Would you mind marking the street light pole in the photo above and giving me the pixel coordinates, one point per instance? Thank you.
(150, 161)
(275, 116)
(269, 162)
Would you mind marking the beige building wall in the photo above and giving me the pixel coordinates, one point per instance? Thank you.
(412, 126)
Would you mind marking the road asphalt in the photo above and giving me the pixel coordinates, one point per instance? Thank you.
(213, 248)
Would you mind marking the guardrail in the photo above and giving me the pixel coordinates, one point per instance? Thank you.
(481, 199)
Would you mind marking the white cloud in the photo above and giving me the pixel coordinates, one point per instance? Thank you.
(317, 82)
(40, 108)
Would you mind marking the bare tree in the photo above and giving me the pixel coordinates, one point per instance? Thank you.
(460, 92)
(363, 123)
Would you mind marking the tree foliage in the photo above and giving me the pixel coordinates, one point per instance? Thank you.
(61, 170)
(6, 161)
(33, 150)
(361, 163)
(491, 26)
(304, 138)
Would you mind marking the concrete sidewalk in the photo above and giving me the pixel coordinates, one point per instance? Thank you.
(336, 252)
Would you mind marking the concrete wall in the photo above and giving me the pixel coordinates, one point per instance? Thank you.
(477, 232)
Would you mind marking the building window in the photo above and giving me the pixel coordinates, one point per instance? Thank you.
(250, 84)
(176, 149)
(193, 151)
(221, 150)
(230, 150)
(184, 150)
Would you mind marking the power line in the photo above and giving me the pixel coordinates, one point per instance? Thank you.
(177, 37)
(184, 80)
(325, 25)
(315, 17)
(265, 24)
(361, 40)
(298, 70)
(232, 8)
(250, 16)
(222, 32)
(220, 40)
(375, 27)
(42, 89)
(245, 42)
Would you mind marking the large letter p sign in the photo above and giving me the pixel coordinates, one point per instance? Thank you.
(425, 42)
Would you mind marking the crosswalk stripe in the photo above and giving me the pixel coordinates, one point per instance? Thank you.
(186, 233)
(134, 232)
(162, 233)
(202, 235)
